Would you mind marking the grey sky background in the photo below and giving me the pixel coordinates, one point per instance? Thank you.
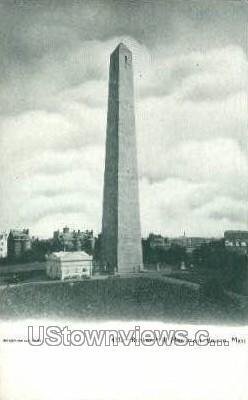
(191, 76)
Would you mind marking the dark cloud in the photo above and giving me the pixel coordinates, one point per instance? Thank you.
(41, 41)
(238, 215)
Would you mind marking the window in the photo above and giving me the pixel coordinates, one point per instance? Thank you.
(126, 61)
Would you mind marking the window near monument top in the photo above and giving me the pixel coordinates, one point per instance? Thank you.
(128, 60)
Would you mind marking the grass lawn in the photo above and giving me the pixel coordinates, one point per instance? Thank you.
(139, 298)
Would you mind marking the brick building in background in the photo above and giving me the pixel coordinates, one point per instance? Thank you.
(19, 242)
(74, 240)
(190, 243)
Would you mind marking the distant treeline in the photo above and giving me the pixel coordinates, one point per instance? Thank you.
(229, 268)
(39, 250)
(213, 261)
(154, 255)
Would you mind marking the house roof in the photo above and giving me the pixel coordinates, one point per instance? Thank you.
(71, 255)
(19, 234)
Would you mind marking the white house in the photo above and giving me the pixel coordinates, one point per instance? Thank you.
(3, 244)
(69, 265)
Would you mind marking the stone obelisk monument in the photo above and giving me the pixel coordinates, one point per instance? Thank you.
(121, 234)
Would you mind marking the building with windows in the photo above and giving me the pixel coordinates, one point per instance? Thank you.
(69, 265)
(191, 243)
(234, 235)
(158, 241)
(19, 242)
(3, 244)
(74, 240)
(236, 241)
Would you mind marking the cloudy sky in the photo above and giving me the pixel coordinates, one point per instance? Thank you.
(191, 76)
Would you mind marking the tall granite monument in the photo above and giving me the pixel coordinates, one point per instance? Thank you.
(121, 234)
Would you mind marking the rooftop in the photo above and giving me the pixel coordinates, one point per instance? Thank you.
(72, 255)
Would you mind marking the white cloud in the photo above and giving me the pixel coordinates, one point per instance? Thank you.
(191, 121)
(174, 206)
(39, 193)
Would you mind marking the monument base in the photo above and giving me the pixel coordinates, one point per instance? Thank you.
(129, 271)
